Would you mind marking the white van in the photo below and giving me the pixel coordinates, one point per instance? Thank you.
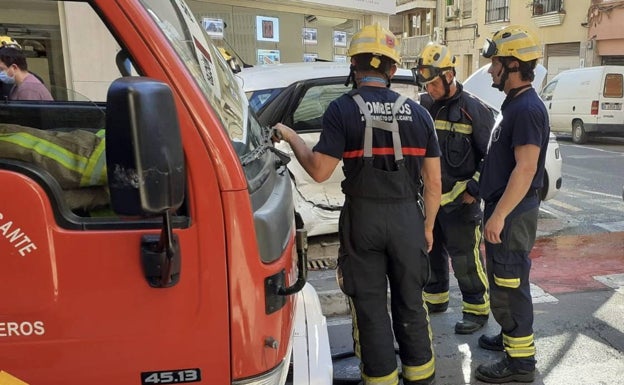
(586, 101)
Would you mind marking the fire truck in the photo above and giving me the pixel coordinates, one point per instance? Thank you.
(193, 271)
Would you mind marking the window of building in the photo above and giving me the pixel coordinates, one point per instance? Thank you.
(496, 10)
(545, 6)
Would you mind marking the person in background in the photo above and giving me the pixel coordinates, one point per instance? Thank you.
(387, 143)
(512, 176)
(463, 125)
(7, 83)
(14, 68)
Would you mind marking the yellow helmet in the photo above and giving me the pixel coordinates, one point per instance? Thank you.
(376, 40)
(513, 40)
(434, 60)
(8, 41)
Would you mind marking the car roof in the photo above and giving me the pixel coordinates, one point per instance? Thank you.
(269, 76)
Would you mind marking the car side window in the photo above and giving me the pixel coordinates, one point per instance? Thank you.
(309, 114)
(548, 91)
(258, 99)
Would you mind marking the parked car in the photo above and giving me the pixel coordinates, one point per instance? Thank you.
(586, 102)
(479, 83)
(297, 95)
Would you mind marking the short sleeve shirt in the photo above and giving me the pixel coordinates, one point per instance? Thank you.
(30, 89)
(525, 121)
(343, 131)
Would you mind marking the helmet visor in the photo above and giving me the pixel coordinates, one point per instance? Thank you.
(489, 49)
(425, 74)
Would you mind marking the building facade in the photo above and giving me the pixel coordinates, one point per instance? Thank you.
(269, 31)
(574, 34)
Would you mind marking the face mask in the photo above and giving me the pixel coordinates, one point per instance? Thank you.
(5, 78)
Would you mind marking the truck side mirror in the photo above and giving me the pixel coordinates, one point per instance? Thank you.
(144, 155)
(145, 166)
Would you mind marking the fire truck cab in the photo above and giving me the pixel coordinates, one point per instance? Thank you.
(191, 272)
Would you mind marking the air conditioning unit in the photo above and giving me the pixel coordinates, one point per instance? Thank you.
(438, 35)
(452, 12)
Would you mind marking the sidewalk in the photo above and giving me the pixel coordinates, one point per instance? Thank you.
(578, 293)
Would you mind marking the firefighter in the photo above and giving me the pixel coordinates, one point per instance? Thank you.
(463, 125)
(512, 176)
(387, 143)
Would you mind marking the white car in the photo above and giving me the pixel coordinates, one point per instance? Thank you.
(297, 95)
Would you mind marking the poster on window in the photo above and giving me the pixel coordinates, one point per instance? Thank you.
(214, 27)
(309, 36)
(267, 28)
(340, 39)
(310, 57)
(268, 56)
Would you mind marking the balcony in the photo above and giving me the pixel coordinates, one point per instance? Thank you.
(411, 47)
(545, 13)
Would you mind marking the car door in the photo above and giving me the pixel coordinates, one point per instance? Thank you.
(301, 106)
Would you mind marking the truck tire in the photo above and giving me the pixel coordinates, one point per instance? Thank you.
(579, 136)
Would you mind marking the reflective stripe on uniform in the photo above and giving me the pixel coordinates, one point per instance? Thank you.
(484, 308)
(461, 128)
(519, 347)
(49, 150)
(436, 298)
(456, 191)
(478, 309)
(357, 350)
(512, 283)
(390, 379)
(95, 172)
(420, 372)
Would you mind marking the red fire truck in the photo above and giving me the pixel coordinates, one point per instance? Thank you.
(192, 272)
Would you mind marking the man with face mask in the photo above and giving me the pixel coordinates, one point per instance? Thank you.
(463, 125)
(14, 69)
(6, 82)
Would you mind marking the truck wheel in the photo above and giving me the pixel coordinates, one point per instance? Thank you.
(579, 135)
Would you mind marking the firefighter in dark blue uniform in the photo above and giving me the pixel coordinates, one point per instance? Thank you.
(387, 143)
(512, 176)
(463, 125)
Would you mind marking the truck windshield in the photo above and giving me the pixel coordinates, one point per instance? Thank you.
(210, 71)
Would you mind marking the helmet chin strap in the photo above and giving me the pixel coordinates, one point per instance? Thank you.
(504, 75)
(351, 77)
(447, 86)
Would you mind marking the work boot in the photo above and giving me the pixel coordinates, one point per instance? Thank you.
(470, 323)
(437, 307)
(494, 342)
(503, 371)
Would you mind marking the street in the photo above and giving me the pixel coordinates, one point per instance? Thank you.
(577, 284)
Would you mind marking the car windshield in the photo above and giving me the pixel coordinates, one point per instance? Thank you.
(209, 70)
